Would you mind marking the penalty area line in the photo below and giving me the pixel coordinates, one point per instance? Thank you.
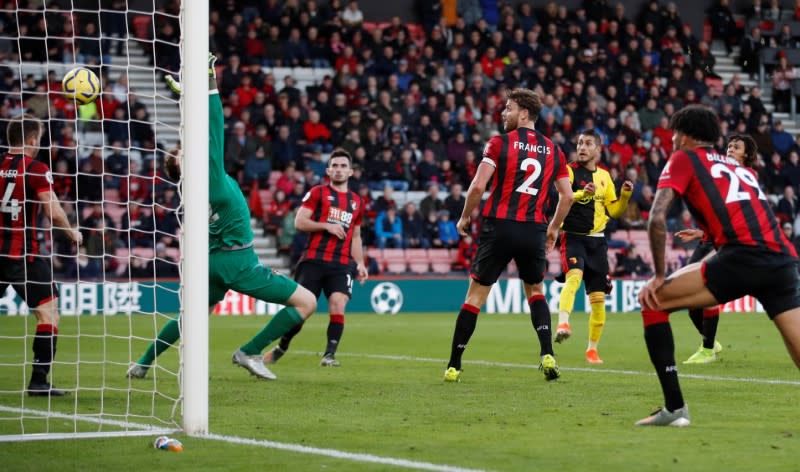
(718, 378)
(337, 454)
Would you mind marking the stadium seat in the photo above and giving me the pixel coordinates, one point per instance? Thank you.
(440, 260)
(418, 260)
(273, 178)
(395, 260)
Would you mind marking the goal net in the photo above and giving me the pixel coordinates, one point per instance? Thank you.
(123, 284)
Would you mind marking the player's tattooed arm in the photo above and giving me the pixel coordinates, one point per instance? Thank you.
(657, 228)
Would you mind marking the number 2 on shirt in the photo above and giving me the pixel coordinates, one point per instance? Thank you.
(527, 185)
(735, 176)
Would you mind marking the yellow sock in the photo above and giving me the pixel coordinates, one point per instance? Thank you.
(567, 298)
(598, 317)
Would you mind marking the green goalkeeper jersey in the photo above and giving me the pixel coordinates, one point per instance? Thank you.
(228, 214)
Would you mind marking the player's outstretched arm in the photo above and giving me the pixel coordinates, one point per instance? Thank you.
(52, 209)
(565, 199)
(617, 207)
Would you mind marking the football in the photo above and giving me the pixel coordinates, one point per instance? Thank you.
(81, 84)
(386, 298)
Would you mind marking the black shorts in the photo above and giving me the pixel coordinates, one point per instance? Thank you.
(588, 254)
(701, 251)
(328, 277)
(772, 278)
(32, 279)
(501, 241)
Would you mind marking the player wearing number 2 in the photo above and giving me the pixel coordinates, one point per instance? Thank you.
(334, 253)
(25, 187)
(753, 256)
(525, 165)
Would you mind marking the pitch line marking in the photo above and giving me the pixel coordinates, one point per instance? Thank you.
(337, 454)
(485, 363)
(140, 429)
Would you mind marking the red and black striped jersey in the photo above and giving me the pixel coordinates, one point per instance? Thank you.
(725, 200)
(328, 205)
(526, 165)
(22, 178)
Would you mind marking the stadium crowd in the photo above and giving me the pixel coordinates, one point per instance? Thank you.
(412, 103)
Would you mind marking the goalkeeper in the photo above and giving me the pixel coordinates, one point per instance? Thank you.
(232, 263)
(584, 251)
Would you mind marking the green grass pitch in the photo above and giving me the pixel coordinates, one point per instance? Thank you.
(388, 399)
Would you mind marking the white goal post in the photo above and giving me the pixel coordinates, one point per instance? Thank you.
(108, 320)
(195, 242)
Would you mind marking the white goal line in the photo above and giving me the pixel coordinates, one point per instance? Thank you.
(140, 429)
(131, 429)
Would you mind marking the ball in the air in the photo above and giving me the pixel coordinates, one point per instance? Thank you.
(81, 84)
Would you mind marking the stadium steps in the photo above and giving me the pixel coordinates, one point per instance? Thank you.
(266, 248)
(726, 68)
(146, 83)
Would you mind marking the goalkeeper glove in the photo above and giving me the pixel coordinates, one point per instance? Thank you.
(175, 86)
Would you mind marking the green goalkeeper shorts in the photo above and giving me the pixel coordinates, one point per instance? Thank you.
(242, 272)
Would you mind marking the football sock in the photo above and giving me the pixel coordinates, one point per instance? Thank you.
(597, 319)
(710, 322)
(44, 350)
(335, 330)
(566, 301)
(286, 339)
(540, 318)
(170, 333)
(283, 321)
(465, 326)
(661, 347)
(696, 315)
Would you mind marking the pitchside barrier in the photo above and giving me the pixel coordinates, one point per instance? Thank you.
(379, 296)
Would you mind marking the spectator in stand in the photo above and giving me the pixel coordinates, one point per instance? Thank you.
(751, 45)
(448, 233)
(763, 137)
(428, 171)
(723, 26)
(430, 231)
(316, 133)
(288, 179)
(296, 50)
(389, 229)
(274, 51)
(775, 180)
(454, 203)
(623, 148)
(384, 171)
(782, 77)
(238, 147)
(352, 17)
(285, 150)
(782, 141)
(630, 263)
(788, 205)
(467, 248)
(790, 171)
(431, 203)
(276, 212)
(413, 227)
(788, 230)
(385, 201)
